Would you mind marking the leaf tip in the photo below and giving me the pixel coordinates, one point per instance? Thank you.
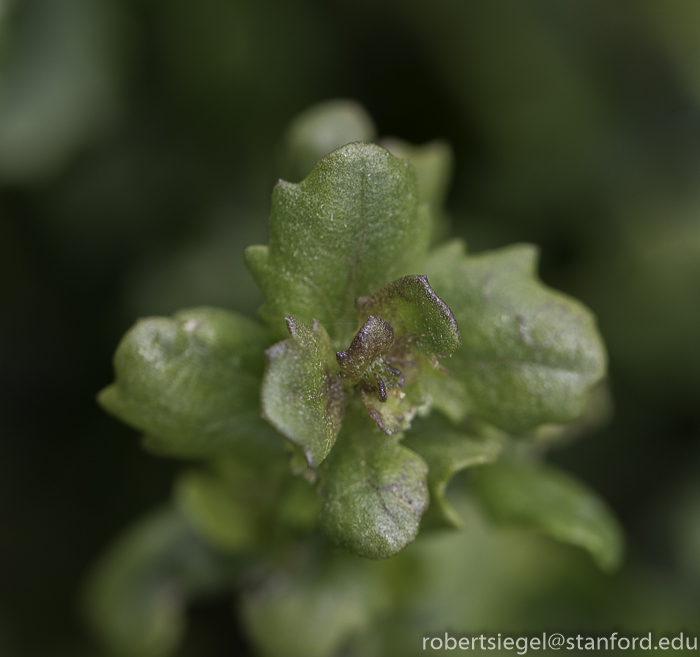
(107, 398)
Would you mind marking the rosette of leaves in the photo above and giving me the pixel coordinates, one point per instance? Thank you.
(383, 367)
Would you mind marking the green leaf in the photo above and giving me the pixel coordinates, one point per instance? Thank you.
(433, 163)
(218, 510)
(373, 491)
(318, 131)
(553, 502)
(417, 315)
(352, 225)
(298, 507)
(192, 382)
(302, 396)
(312, 608)
(136, 596)
(529, 356)
(447, 450)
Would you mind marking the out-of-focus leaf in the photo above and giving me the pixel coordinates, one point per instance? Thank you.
(373, 491)
(598, 413)
(675, 26)
(136, 597)
(302, 396)
(352, 225)
(218, 510)
(647, 296)
(320, 130)
(447, 450)
(433, 163)
(59, 78)
(298, 508)
(553, 502)
(192, 382)
(312, 611)
(530, 355)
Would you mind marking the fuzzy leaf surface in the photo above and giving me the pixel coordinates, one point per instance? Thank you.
(416, 314)
(373, 490)
(352, 225)
(371, 343)
(301, 394)
(553, 502)
(447, 450)
(529, 355)
(191, 383)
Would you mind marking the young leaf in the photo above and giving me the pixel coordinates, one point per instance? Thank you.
(191, 383)
(530, 355)
(407, 326)
(373, 491)
(352, 225)
(553, 502)
(396, 412)
(136, 596)
(318, 131)
(371, 343)
(416, 314)
(301, 395)
(447, 450)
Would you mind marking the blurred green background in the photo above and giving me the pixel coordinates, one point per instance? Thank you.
(138, 150)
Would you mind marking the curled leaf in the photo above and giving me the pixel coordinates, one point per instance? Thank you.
(370, 343)
(388, 371)
(418, 316)
(301, 395)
